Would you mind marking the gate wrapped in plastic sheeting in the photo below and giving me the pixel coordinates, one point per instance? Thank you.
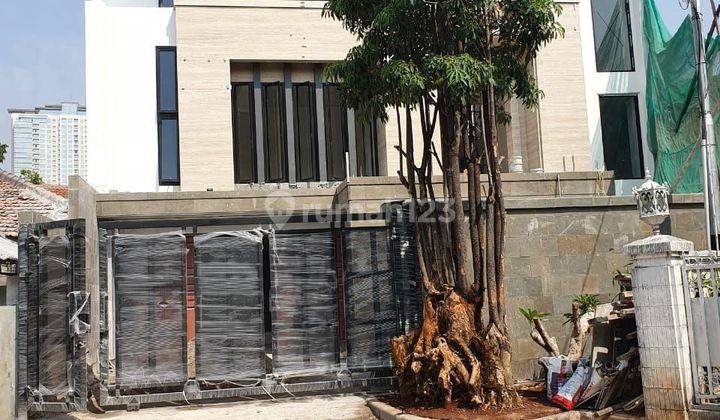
(52, 318)
(371, 307)
(230, 335)
(149, 280)
(303, 303)
(403, 252)
(54, 264)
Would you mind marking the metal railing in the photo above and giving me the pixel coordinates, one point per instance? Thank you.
(701, 285)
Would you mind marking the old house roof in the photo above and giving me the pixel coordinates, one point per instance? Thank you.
(18, 195)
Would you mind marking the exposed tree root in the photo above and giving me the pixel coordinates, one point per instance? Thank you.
(449, 360)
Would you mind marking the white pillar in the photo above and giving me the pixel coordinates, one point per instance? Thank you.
(662, 325)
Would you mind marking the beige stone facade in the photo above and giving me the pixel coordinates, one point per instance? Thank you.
(218, 42)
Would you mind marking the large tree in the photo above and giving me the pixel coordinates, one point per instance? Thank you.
(452, 64)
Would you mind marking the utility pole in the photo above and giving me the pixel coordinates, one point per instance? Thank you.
(709, 148)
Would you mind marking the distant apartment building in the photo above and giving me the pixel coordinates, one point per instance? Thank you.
(229, 94)
(50, 140)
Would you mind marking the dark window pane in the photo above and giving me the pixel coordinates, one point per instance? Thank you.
(621, 136)
(169, 170)
(167, 86)
(305, 138)
(274, 141)
(243, 134)
(611, 27)
(335, 132)
(366, 148)
(166, 3)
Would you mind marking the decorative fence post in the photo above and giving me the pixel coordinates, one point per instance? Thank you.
(660, 310)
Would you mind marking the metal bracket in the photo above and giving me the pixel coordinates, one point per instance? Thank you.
(133, 405)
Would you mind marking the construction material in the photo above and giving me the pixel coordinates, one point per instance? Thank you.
(558, 370)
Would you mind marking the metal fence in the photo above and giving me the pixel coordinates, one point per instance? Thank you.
(701, 284)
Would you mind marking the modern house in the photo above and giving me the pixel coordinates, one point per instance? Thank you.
(229, 94)
(50, 140)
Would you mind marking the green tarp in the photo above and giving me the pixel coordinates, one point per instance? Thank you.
(673, 126)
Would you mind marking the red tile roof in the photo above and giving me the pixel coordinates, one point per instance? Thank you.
(61, 190)
(17, 195)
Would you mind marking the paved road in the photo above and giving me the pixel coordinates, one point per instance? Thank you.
(318, 407)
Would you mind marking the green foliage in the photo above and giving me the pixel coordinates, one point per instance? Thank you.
(588, 303)
(3, 151)
(413, 49)
(31, 176)
(532, 314)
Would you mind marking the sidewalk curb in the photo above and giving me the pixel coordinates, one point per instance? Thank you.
(387, 412)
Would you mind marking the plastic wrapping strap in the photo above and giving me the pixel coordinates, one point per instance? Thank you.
(77, 326)
(149, 278)
(304, 304)
(230, 332)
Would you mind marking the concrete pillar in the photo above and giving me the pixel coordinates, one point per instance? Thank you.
(7, 362)
(661, 325)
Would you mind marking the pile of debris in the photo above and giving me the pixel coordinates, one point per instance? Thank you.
(607, 379)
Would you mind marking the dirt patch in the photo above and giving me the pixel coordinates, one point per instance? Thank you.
(533, 406)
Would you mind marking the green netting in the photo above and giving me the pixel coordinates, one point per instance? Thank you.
(673, 126)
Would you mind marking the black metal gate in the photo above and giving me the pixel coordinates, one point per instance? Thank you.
(52, 318)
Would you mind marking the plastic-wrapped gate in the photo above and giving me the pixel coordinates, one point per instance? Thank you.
(149, 277)
(371, 307)
(303, 303)
(230, 335)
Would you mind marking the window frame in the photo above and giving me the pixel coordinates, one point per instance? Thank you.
(344, 130)
(631, 45)
(636, 104)
(166, 114)
(253, 130)
(315, 128)
(283, 132)
(375, 158)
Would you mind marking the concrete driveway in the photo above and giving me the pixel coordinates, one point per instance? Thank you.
(316, 407)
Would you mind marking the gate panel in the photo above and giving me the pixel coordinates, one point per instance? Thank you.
(149, 279)
(52, 319)
(53, 341)
(230, 334)
(702, 303)
(303, 303)
(371, 310)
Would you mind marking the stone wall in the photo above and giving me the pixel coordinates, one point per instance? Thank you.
(559, 248)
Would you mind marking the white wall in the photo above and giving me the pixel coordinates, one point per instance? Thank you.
(632, 83)
(7, 362)
(120, 41)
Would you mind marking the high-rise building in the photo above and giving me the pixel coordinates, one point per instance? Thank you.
(50, 140)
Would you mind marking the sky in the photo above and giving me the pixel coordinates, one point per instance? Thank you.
(42, 56)
(42, 53)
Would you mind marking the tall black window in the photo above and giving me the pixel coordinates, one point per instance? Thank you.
(366, 147)
(166, 3)
(613, 36)
(244, 133)
(306, 159)
(274, 141)
(335, 132)
(167, 116)
(621, 136)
